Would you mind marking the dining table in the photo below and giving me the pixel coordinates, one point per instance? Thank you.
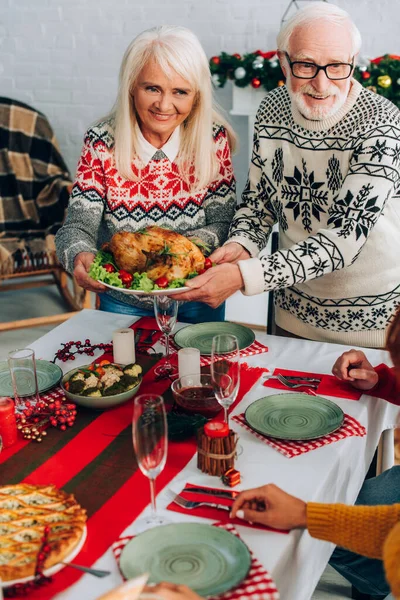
(94, 460)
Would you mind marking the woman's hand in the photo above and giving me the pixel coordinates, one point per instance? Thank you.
(230, 253)
(82, 263)
(353, 366)
(171, 591)
(271, 506)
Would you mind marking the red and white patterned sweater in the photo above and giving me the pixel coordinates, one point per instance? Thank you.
(103, 202)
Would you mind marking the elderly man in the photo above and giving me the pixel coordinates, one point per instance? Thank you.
(325, 167)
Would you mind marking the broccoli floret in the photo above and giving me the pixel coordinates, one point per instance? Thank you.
(75, 387)
(115, 388)
(92, 392)
(133, 370)
(78, 376)
(128, 382)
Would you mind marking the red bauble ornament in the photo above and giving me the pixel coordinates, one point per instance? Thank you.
(216, 60)
(366, 75)
(255, 82)
(236, 55)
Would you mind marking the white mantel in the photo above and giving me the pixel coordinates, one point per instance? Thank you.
(247, 309)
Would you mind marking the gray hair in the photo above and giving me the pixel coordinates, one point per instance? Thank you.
(315, 12)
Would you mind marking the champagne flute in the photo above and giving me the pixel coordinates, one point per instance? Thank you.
(166, 313)
(225, 370)
(150, 442)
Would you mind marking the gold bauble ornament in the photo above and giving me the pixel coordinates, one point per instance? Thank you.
(372, 88)
(281, 83)
(384, 81)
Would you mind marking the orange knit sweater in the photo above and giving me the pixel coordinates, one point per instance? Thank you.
(372, 531)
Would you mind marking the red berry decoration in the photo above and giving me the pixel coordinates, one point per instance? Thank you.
(366, 75)
(255, 82)
(216, 60)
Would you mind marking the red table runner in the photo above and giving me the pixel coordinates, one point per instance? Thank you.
(94, 460)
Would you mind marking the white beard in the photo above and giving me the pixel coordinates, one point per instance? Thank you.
(317, 113)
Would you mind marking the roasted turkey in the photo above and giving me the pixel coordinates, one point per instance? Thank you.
(158, 252)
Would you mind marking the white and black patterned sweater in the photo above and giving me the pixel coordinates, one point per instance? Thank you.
(103, 202)
(333, 188)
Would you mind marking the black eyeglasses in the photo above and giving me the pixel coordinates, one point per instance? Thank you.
(307, 70)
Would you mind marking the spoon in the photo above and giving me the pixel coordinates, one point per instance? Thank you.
(95, 572)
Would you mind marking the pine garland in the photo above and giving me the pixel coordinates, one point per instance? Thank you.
(262, 69)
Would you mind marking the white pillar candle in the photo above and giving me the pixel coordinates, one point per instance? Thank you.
(189, 362)
(124, 346)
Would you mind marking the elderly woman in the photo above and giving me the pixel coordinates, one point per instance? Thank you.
(162, 157)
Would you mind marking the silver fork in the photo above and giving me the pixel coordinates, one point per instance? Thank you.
(189, 504)
(95, 572)
(293, 386)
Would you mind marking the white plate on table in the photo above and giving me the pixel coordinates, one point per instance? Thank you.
(55, 568)
(164, 292)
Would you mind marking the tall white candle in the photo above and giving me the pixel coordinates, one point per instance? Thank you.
(124, 346)
(189, 361)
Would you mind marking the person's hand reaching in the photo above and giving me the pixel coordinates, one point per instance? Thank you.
(270, 506)
(354, 367)
(172, 591)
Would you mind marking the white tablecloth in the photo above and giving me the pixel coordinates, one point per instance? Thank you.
(333, 473)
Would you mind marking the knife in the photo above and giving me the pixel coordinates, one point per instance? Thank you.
(230, 495)
(294, 378)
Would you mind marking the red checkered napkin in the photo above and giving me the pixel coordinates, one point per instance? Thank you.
(254, 348)
(328, 386)
(258, 584)
(290, 448)
(55, 394)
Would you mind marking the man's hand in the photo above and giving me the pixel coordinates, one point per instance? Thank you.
(271, 506)
(214, 286)
(230, 253)
(171, 591)
(353, 366)
(82, 263)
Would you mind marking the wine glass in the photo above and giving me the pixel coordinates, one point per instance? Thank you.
(166, 313)
(150, 442)
(225, 370)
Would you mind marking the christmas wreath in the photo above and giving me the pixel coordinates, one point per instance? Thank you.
(262, 69)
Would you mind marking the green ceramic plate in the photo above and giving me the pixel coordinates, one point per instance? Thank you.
(200, 335)
(48, 376)
(294, 416)
(208, 559)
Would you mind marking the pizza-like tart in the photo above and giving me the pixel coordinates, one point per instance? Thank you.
(25, 510)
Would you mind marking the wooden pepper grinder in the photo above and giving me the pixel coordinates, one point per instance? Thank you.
(216, 448)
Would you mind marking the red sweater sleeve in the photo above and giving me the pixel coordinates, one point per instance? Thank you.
(387, 387)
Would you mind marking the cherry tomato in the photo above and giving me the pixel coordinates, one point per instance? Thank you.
(109, 268)
(201, 272)
(125, 277)
(99, 371)
(216, 429)
(66, 385)
(162, 282)
(208, 264)
(104, 362)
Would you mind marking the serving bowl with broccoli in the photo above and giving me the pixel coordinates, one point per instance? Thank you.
(103, 384)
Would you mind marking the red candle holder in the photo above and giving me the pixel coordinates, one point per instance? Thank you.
(8, 425)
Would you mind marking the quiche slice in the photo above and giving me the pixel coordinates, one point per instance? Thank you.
(25, 510)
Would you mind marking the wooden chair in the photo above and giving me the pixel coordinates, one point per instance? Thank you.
(34, 189)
